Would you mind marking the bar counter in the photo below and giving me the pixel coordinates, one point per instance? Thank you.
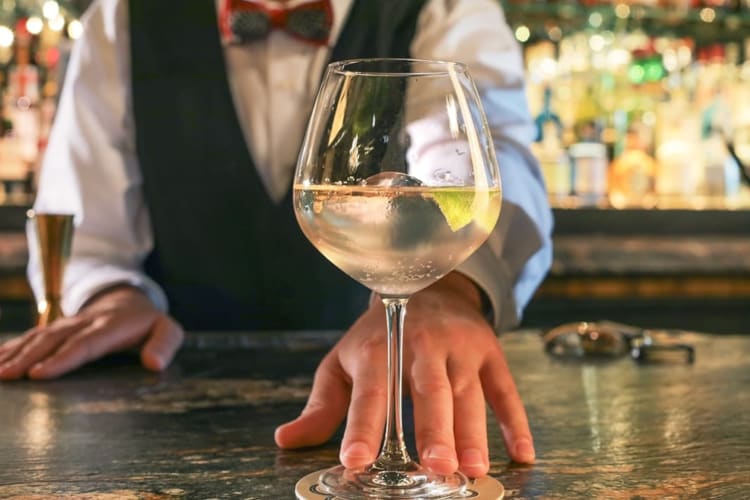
(204, 428)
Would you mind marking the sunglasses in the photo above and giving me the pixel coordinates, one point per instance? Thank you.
(607, 340)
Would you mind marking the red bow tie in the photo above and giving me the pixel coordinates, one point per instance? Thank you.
(247, 20)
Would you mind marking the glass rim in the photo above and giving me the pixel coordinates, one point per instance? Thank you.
(443, 67)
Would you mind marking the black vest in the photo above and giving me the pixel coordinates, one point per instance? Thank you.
(224, 253)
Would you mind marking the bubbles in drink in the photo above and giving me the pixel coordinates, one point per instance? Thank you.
(399, 240)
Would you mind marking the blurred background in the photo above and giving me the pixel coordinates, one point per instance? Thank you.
(660, 91)
(642, 113)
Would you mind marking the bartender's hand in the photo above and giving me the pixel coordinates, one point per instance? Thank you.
(453, 364)
(118, 319)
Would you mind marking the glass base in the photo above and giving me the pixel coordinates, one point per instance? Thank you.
(339, 483)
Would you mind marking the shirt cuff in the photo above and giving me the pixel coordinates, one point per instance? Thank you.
(92, 279)
(496, 285)
(85, 278)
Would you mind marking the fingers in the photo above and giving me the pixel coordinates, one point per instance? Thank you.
(11, 347)
(324, 412)
(101, 336)
(20, 354)
(470, 420)
(503, 397)
(450, 417)
(160, 347)
(78, 349)
(366, 417)
(119, 319)
(448, 389)
(433, 414)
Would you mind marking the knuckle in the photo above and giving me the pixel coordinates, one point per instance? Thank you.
(466, 387)
(430, 385)
(372, 347)
(76, 321)
(101, 322)
(420, 339)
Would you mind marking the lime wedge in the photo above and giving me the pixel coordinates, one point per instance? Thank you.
(461, 206)
(456, 206)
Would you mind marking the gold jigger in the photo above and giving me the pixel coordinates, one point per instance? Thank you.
(54, 237)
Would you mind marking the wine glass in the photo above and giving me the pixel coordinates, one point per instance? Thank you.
(397, 183)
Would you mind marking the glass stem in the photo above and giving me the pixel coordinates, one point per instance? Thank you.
(393, 455)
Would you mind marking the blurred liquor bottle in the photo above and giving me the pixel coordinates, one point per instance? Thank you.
(550, 153)
(19, 145)
(721, 174)
(740, 99)
(632, 175)
(653, 99)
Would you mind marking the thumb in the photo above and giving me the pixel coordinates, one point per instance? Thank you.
(163, 341)
(324, 412)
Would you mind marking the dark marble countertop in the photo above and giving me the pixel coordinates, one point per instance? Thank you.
(204, 428)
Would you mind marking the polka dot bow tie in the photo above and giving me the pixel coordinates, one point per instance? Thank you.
(248, 20)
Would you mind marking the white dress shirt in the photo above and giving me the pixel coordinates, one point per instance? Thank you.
(91, 169)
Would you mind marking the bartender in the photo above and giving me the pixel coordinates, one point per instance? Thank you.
(174, 145)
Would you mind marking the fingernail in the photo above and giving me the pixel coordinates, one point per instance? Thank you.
(152, 361)
(524, 451)
(159, 362)
(441, 453)
(472, 457)
(356, 452)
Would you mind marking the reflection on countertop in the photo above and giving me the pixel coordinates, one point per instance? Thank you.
(204, 428)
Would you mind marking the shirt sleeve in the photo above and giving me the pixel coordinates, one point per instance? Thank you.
(90, 167)
(518, 253)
